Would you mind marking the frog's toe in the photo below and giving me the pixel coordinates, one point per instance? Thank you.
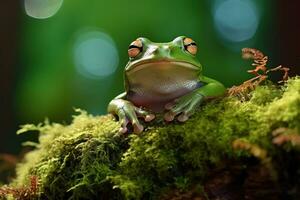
(123, 130)
(169, 116)
(183, 117)
(137, 128)
(175, 110)
(188, 111)
(149, 117)
(144, 114)
(124, 122)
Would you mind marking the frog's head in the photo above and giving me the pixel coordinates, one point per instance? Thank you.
(175, 55)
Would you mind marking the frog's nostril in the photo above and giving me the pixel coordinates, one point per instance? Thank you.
(166, 48)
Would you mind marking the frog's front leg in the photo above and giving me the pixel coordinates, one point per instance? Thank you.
(186, 105)
(128, 114)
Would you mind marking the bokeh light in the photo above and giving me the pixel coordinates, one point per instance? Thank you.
(236, 20)
(95, 55)
(42, 9)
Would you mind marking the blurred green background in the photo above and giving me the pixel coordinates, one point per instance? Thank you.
(71, 54)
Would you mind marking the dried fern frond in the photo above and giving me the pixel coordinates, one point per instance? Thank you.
(21, 193)
(285, 135)
(260, 71)
(259, 60)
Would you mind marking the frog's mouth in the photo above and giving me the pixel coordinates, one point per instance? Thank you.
(162, 65)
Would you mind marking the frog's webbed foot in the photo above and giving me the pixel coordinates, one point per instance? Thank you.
(129, 114)
(183, 107)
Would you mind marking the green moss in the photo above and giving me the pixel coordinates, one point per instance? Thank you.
(88, 159)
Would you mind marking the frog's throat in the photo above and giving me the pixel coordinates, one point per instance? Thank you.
(156, 83)
(144, 64)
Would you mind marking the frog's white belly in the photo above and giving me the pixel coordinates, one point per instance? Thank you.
(154, 86)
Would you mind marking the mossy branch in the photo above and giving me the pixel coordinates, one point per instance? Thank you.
(88, 159)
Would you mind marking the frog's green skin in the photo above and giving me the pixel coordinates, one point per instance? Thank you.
(163, 78)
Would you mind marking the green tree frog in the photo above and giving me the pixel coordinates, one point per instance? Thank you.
(162, 78)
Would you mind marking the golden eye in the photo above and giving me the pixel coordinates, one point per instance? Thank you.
(135, 48)
(190, 46)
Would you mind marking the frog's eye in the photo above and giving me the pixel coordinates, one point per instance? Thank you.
(135, 48)
(190, 46)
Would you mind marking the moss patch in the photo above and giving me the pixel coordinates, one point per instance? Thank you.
(88, 159)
